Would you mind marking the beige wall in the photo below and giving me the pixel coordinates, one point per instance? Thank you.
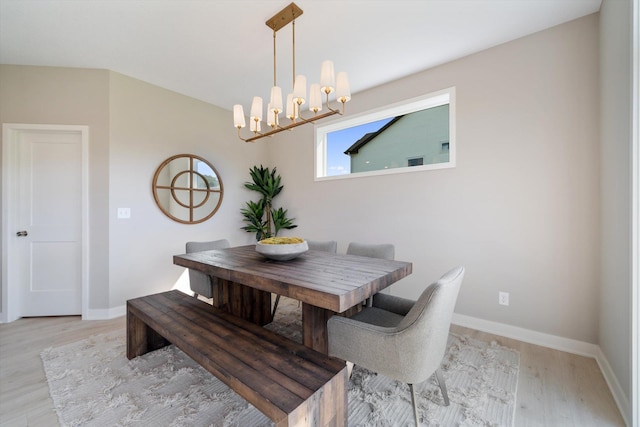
(616, 86)
(149, 124)
(48, 95)
(520, 210)
(133, 127)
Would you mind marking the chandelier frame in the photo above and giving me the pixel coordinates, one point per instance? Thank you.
(295, 101)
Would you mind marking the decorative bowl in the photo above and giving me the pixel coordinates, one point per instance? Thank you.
(282, 248)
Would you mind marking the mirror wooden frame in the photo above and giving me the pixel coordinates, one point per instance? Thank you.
(192, 189)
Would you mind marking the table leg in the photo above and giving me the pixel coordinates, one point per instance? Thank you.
(314, 327)
(242, 301)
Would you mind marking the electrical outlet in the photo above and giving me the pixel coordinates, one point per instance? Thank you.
(503, 298)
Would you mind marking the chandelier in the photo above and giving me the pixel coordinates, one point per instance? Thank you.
(292, 109)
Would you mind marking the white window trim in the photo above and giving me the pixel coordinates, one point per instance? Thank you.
(430, 100)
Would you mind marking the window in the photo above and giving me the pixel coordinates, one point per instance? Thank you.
(414, 135)
(416, 161)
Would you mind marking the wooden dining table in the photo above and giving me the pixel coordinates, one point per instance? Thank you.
(325, 283)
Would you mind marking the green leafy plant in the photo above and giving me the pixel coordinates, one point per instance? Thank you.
(260, 216)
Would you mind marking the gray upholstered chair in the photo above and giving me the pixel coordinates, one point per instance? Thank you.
(384, 250)
(200, 283)
(375, 250)
(323, 245)
(402, 339)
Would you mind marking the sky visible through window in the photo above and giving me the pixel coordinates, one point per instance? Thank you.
(339, 163)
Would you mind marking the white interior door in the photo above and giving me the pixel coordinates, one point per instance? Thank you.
(46, 228)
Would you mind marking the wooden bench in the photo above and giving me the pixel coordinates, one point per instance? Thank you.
(290, 383)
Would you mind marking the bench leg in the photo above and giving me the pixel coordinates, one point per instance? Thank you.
(327, 407)
(341, 398)
(141, 338)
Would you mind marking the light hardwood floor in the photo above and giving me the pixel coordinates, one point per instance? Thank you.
(554, 388)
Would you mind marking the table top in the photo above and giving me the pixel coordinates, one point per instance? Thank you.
(335, 282)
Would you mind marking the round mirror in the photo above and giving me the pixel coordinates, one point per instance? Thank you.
(187, 189)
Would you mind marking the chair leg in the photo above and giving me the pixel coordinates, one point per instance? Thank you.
(195, 295)
(443, 386)
(349, 369)
(415, 406)
(275, 306)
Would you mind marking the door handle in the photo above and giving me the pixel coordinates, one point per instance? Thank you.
(22, 233)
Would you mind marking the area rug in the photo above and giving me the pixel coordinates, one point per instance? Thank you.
(93, 384)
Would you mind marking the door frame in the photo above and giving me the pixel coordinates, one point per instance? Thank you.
(10, 140)
(635, 215)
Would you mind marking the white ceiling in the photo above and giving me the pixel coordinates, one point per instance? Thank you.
(221, 51)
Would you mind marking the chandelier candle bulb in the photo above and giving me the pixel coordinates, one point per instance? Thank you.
(300, 89)
(238, 116)
(327, 77)
(256, 109)
(276, 100)
(254, 126)
(315, 98)
(272, 117)
(343, 93)
(291, 112)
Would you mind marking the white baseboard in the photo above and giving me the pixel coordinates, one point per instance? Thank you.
(95, 314)
(105, 313)
(546, 340)
(614, 385)
(557, 343)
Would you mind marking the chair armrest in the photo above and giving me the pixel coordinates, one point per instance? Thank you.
(392, 303)
(363, 344)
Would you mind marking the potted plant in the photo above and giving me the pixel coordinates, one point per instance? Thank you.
(261, 217)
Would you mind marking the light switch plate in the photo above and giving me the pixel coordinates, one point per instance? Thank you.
(124, 213)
